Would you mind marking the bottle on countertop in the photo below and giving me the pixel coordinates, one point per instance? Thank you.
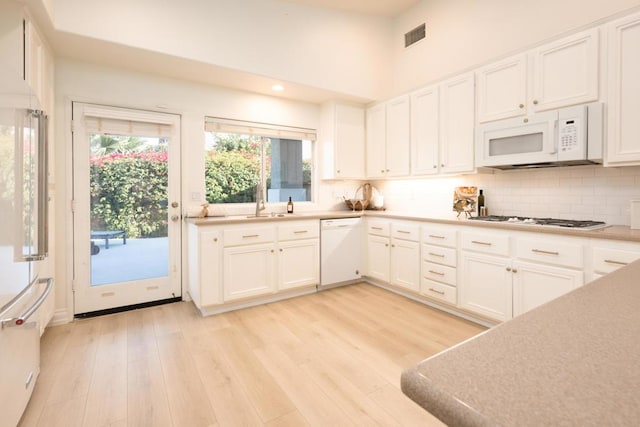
(290, 206)
(481, 211)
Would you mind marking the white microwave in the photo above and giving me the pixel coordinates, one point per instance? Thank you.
(570, 136)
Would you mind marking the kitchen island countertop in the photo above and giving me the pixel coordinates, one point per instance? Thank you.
(572, 361)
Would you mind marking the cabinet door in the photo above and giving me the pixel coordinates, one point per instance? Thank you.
(405, 264)
(456, 124)
(12, 44)
(376, 141)
(349, 142)
(248, 271)
(378, 251)
(398, 137)
(623, 142)
(207, 290)
(502, 89)
(485, 285)
(565, 72)
(535, 284)
(425, 133)
(298, 263)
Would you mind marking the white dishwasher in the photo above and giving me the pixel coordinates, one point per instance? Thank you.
(340, 250)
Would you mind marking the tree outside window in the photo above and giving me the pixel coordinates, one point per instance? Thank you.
(236, 163)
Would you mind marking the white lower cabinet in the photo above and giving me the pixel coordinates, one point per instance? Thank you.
(204, 255)
(608, 255)
(405, 264)
(485, 285)
(378, 257)
(393, 253)
(232, 263)
(248, 271)
(503, 277)
(536, 284)
(298, 263)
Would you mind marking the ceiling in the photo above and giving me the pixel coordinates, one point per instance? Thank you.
(125, 57)
(388, 8)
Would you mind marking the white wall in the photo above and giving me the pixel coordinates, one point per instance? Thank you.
(89, 83)
(579, 192)
(462, 34)
(329, 49)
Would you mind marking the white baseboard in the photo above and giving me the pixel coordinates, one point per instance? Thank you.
(60, 317)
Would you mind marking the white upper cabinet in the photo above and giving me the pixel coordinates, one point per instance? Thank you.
(342, 141)
(502, 89)
(376, 141)
(457, 117)
(558, 74)
(425, 133)
(25, 61)
(388, 138)
(565, 72)
(623, 142)
(398, 136)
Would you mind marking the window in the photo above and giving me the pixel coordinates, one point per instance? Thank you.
(241, 155)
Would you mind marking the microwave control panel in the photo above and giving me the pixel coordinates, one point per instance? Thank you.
(568, 135)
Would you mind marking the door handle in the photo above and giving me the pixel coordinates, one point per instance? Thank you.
(17, 321)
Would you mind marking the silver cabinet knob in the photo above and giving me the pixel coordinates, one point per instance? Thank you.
(175, 217)
(521, 106)
(535, 102)
(526, 120)
(175, 204)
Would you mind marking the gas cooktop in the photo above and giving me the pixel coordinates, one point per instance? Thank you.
(564, 223)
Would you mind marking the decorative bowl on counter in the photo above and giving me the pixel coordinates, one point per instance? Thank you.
(360, 205)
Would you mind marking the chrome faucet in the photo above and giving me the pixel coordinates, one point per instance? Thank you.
(259, 199)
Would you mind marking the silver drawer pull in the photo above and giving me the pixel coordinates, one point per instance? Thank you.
(540, 251)
(434, 236)
(404, 232)
(438, 255)
(611, 261)
(300, 232)
(477, 242)
(436, 291)
(436, 272)
(248, 236)
(376, 228)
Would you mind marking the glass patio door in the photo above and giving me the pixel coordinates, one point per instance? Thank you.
(126, 210)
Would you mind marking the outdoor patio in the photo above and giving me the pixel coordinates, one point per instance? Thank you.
(138, 259)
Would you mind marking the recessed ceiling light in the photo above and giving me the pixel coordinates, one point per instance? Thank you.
(277, 88)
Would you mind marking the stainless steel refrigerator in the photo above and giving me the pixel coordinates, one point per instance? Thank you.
(23, 241)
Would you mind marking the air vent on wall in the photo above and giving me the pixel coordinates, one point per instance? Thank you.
(415, 35)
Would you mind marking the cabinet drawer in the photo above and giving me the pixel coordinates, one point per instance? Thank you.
(606, 260)
(438, 273)
(550, 252)
(379, 228)
(439, 255)
(438, 236)
(439, 291)
(299, 230)
(406, 231)
(486, 243)
(248, 236)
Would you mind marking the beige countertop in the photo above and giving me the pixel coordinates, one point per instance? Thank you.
(613, 232)
(573, 361)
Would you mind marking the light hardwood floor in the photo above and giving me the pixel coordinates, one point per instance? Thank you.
(329, 359)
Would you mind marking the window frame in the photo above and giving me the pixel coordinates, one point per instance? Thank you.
(267, 130)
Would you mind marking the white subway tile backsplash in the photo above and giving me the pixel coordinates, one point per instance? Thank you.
(580, 192)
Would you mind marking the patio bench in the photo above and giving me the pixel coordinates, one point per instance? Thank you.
(106, 235)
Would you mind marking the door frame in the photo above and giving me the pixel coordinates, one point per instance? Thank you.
(175, 273)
